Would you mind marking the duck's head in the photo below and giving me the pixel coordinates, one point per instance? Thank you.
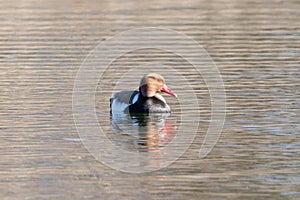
(153, 83)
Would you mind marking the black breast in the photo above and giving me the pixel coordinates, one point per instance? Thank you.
(149, 105)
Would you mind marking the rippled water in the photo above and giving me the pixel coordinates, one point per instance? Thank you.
(255, 45)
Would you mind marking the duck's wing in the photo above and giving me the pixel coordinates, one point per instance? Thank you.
(127, 97)
(121, 100)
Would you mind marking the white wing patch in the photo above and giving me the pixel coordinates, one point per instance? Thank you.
(135, 98)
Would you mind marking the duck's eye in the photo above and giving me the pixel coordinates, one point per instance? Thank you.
(159, 80)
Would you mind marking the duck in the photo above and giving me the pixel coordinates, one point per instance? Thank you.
(147, 99)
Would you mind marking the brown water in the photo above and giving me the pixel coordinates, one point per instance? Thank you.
(255, 44)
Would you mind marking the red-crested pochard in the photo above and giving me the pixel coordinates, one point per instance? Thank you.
(146, 100)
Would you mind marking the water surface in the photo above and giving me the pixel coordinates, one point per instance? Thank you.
(255, 44)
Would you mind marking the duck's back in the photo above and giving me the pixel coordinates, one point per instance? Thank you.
(120, 101)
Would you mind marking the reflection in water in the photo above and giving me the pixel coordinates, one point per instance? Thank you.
(150, 131)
